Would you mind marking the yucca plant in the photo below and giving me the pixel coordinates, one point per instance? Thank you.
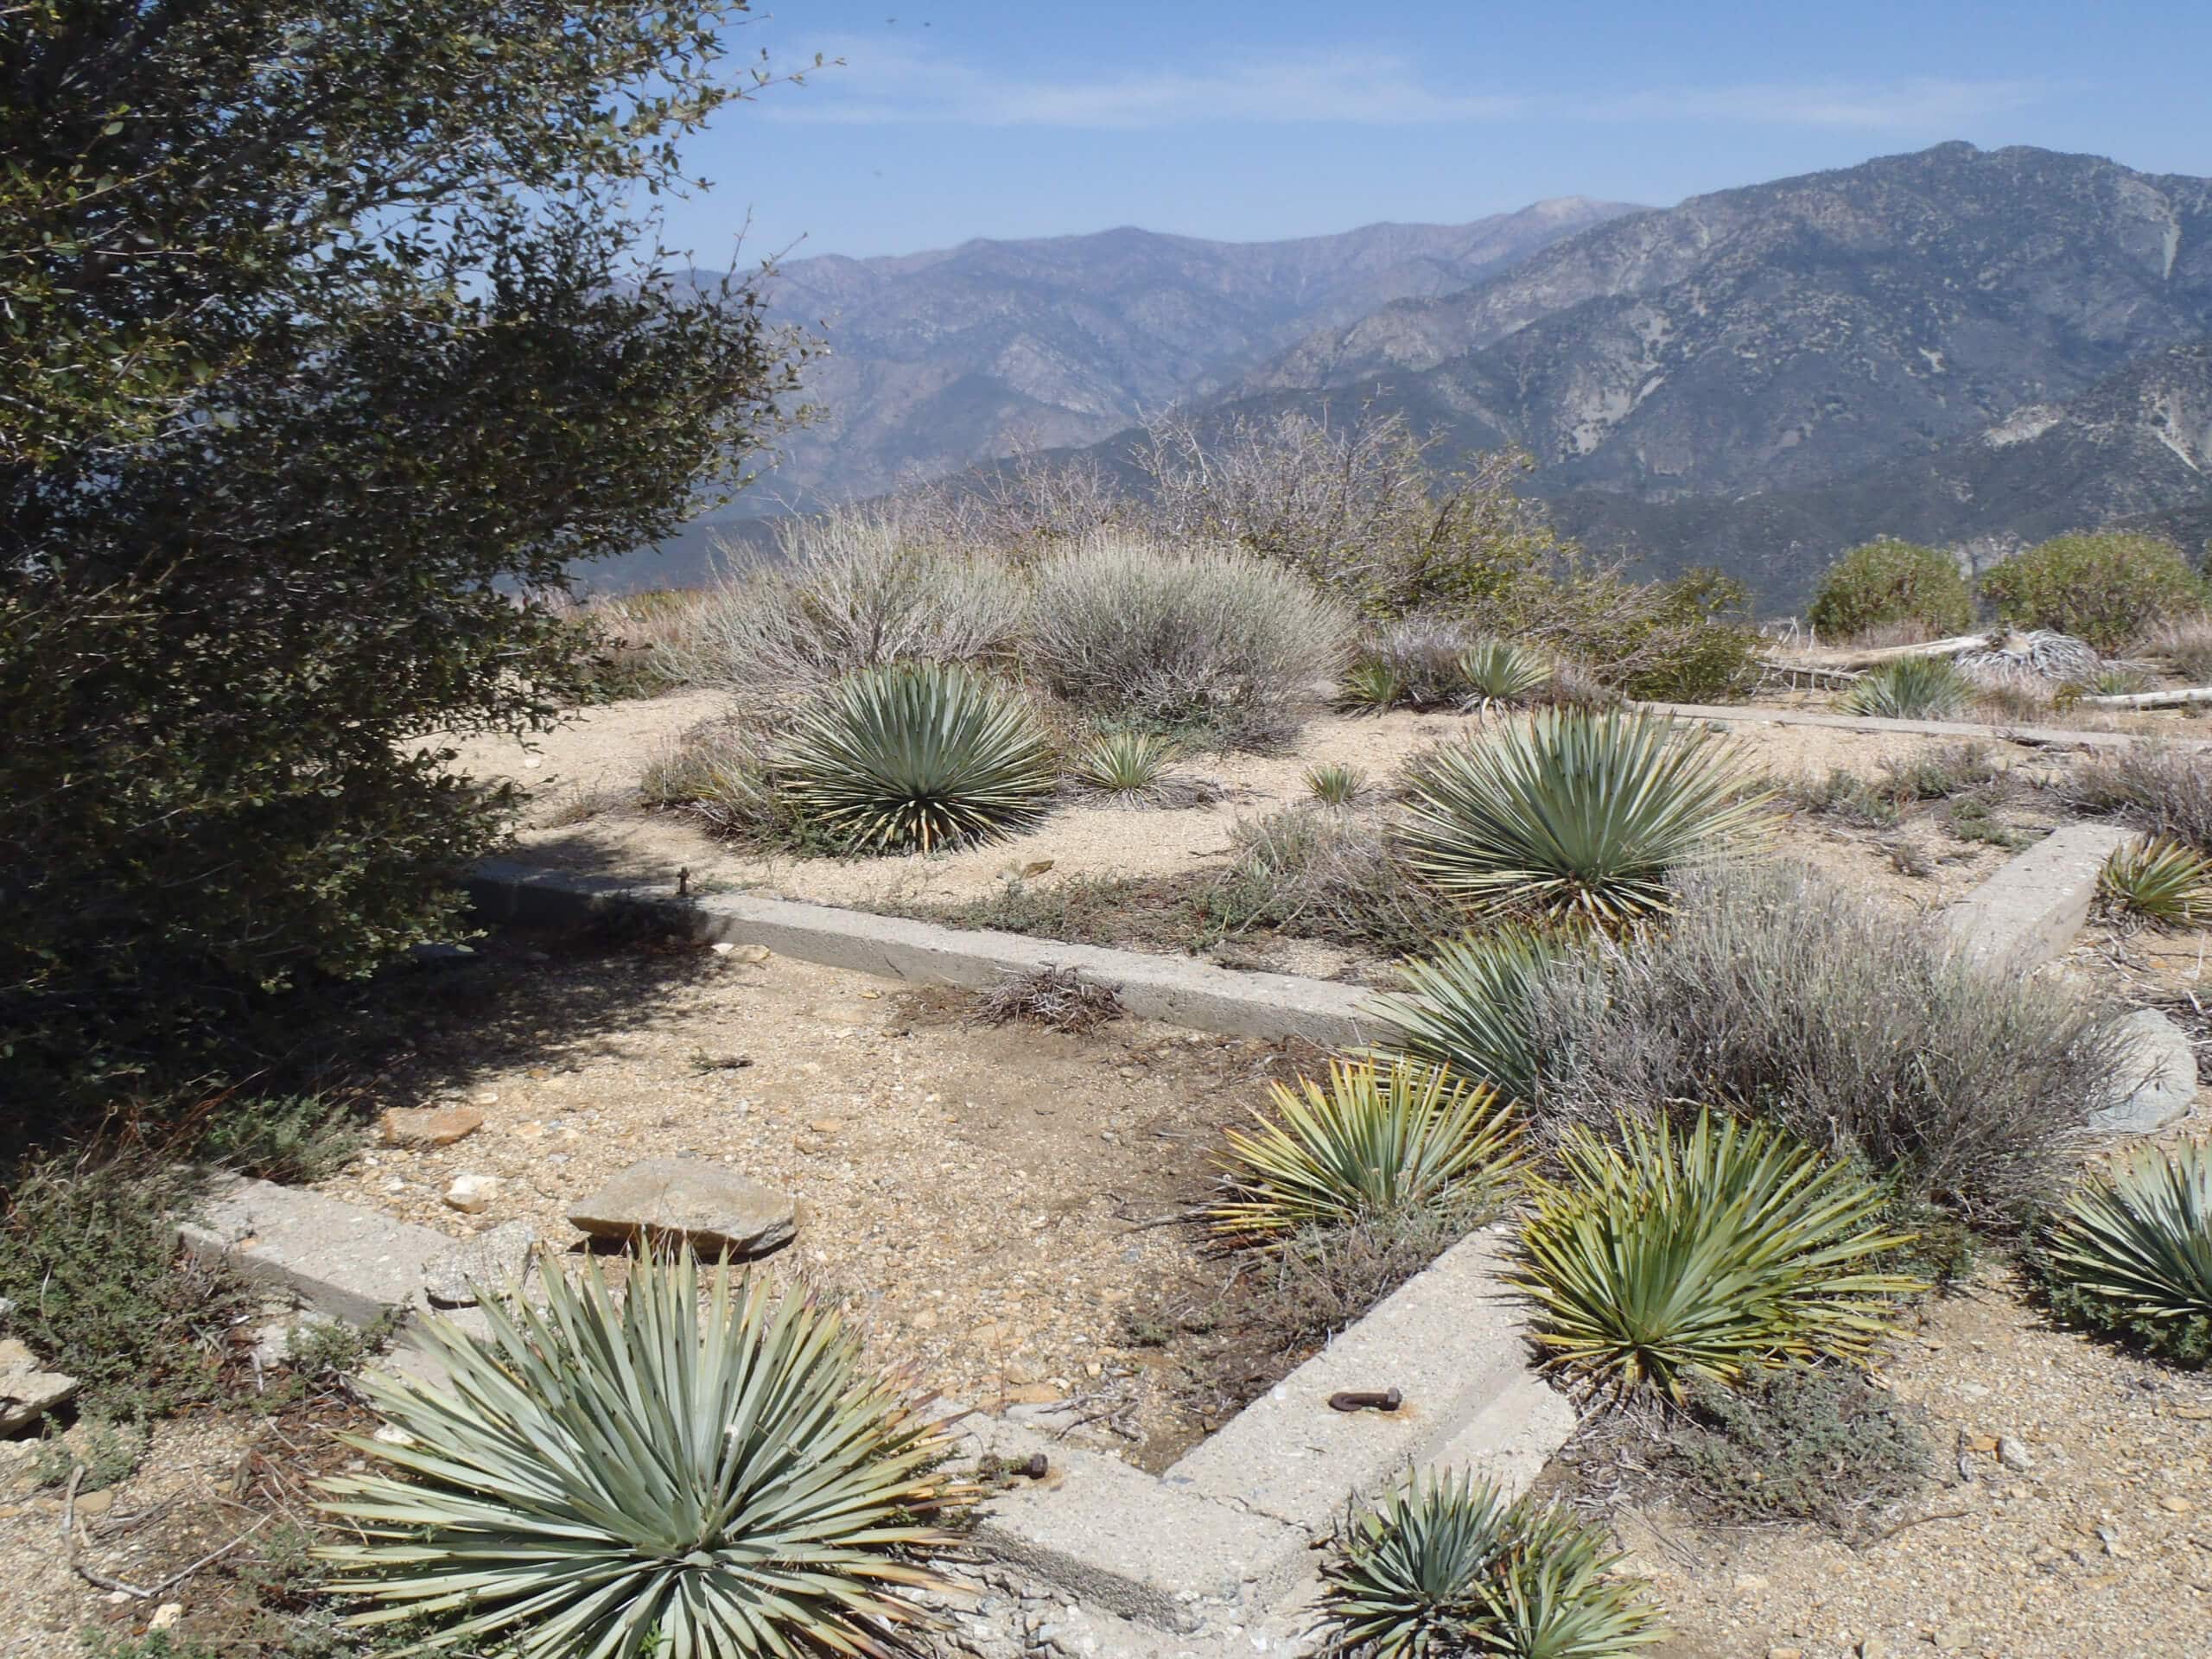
(2159, 880)
(1575, 813)
(1128, 768)
(1911, 687)
(1370, 686)
(2133, 1253)
(1378, 1140)
(599, 1478)
(917, 755)
(1336, 785)
(1500, 674)
(1465, 1005)
(1670, 1257)
(1445, 1566)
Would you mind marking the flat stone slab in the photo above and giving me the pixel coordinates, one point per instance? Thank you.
(337, 1257)
(2042, 736)
(1120, 1540)
(1174, 990)
(711, 1208)
(28, 1389)
(2032, 908)
(490, 1262)
(1451, 1340)
(2160, 1078)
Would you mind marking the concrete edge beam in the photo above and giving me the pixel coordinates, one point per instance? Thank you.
(2039, 736)
(1452, 1340)
(2030, 907)
(1173, 989)
(336, 1257)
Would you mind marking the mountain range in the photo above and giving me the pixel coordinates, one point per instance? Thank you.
(1948, 344)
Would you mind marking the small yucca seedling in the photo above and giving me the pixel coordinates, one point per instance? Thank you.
(1572, 813)
(1129, 768)
(917, 755)
(2133, 1253)
(1465, 1004)
(1376, 1141)
(1911, 687)
(1371, 686)
(601, 1478)
(1670, 1257)
(1336, 785)
(1445, 1565)
(2159, 880)
(1501, 674)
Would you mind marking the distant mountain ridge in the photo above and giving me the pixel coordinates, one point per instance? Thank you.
(940, 360)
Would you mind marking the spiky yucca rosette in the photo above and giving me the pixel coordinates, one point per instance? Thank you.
(603, 1478)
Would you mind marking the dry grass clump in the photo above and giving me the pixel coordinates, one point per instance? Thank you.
(2167, 792)
(1059, 999)
(2184, 644)
(1777, 994)
(1411, 662)
(852, 589)
(1205, 639)
(1323, 873)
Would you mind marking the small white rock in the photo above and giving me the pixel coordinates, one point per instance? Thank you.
(472, 1194)
(165, 1616)
(2012, 1453)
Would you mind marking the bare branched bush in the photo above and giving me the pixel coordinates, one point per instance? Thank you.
(2167, 792)
(1778, 995)
(1205, 639)
(1059, 998)
(1323, 873)
(1421, 657)
(855, 587)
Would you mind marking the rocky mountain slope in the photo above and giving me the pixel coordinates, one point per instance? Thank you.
(938, 359)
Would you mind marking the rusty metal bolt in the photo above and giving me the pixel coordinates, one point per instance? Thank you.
(1366, 1400)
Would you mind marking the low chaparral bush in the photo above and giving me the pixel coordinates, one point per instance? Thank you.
(1886, 581)
(2107, 588)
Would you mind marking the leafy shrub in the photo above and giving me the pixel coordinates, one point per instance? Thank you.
(89, 1256)
(1911, 687)
(1887, 582)
(918, 755)
(1207, 638)
(2159, 880)
(1321, 872)
(1336, 785)
(1376, 1141)
(1670, 1257)
(1776, 994)
(1687, 641)
(599, 1475)
(1572, 813)
(2133, 1255)
(1127, 768)
(1499, 672)
(1815, 1443)
(1935, 774)
(289, 1138)
(1445, 1566)
(1466, 1005)
(852, 589)
(2166, 791)
(2106, 587)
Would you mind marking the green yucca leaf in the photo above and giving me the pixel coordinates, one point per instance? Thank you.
(1371, 686)
(919, 755)
(1498, 671)
(1571, 812)
(2133, 1253)
(1911, 687)
(1445, 1566)
(1130, 767)
(1377, 1142)
(1465, 1006)
(1670, 1257)
(594, 1478)
(1336, 785)
(2159, 879)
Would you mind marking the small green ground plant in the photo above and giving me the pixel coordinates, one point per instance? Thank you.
(1465, 1005)
(2159, 880)
(599, 1475)
(1132, 769)
(1571, 814)
(1910, 688)
(2131, 1256)
(1336, 785)
(1377, 1141)
(1445, 1566)
(1499, 674)
(1886, 581)
(1662, 1257)
(2107, 588)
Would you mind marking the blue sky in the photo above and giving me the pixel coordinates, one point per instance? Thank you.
(1246, 121)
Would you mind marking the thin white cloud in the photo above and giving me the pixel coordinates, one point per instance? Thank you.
(883, 81)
